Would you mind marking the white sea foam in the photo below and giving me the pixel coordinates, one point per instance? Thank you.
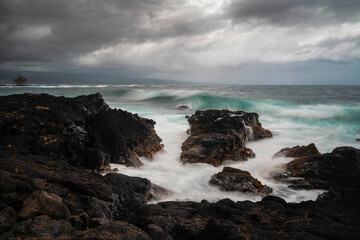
(328, 125)
(55, 86)
(190, 181)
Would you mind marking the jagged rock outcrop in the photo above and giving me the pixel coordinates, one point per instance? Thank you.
(338, 171)
(48, 147)
(44, 194)
(35, 186)
(271, 218)
(64, 128)
(298, 151)
(220, 135)
(233, 179)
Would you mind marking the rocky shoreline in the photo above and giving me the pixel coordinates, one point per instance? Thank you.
(52, 147)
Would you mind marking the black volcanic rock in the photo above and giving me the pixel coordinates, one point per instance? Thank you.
(338, 171)
(43, 203)
(220, 135)
(233, 179)
(45, 195)
(48, 144)
(298, 151)
(115, 230)
(125, 136)
(271, 218)
(182, 107)
(65, 128)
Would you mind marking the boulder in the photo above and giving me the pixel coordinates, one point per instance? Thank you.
(220, 135)
(233, 179)
(95, 159)
(115, 230)
(158, 192)
(182, 107)
(298, 151)
(125, 136)
(43, 227)
(80, 221)
(67, 193)
(271, 218)
(43, 203)
(338, 171)
(8, 218)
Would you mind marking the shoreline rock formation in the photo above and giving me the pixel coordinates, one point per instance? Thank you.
(47, 190)
(48, 147)
(233, 179)
(298, 151)
(74, 128)
(335, 171)
(217, 136)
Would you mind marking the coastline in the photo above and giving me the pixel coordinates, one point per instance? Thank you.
(77, 202)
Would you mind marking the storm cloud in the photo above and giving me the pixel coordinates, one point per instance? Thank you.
(296, 12)
(182, 37)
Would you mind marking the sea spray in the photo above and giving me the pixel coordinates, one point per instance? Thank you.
(297, 115)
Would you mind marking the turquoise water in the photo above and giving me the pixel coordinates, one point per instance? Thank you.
(297, 115)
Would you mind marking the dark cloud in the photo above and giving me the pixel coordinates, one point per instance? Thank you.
(42, 30)
(182, 36)
(295, 12)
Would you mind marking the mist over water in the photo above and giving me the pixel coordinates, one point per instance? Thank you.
(297, 115)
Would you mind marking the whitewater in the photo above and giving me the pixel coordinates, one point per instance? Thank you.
(297, 115)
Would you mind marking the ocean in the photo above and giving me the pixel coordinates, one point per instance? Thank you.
(328, 116)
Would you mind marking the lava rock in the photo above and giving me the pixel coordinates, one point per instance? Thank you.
(338, 171)
(157, 192)
(115, 230)
(125, 136)
(8, 218)
(96, 159)
(298, 151)
(220, 135)
(64, 128)
(36, 180)
(80, 221)
(43, 203)
(43, 227)
(233, 179)
(183, 107)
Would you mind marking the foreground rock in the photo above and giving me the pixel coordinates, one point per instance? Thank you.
(64, 128)
(34, 186)
(47, 196)
(298, 151)
(48, 146)
(220, 135)
(271, 218)
(233, 179)
(338, 171)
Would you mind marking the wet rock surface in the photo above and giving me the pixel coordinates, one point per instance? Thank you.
(49, 149)
(271, 218)
(48, 191)
(66, 128)
(220, 135)
(233, 179)
(298, 151)
(338, 171)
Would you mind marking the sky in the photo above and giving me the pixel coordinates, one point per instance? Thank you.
(218, 41)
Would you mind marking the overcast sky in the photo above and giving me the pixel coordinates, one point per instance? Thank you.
(230, 41)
